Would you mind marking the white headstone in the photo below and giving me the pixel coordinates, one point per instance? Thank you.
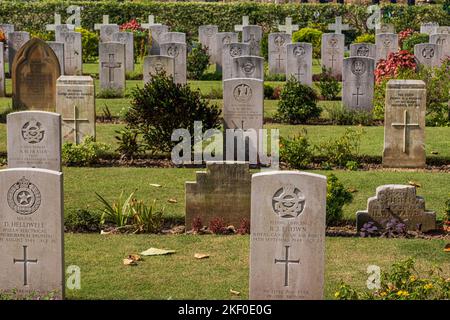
(58, 49)
(73, 55)
(16, 40)
(252, 35)
(207, 38)
(385, 44)
(333, 52)
(428, 54)
(156, 34)
(106, 29)
(178, 52)
(358, 82)
(126, 38)
(230, 51)
(367, 50)
(429, 27)
(179, 37)
(288, 27)
(385, 28)
(154, 65)
(223, 38)
(277, 52)
(442, 39)
(299, 62)
(112, 66)
(248, 67)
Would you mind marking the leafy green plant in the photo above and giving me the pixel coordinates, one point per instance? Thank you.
(342, 149)
(149, 219)
(296, 152)
(268, 91)
(119, 213)
(337, 197)
(340, 115)
(309, 35)
(89, 42)
(328, 85)
(82, 220)
(298, 103)
(109, 94)
(129, 145)
(365, 38)
(86, 153)
(416, 38)
(197, 62)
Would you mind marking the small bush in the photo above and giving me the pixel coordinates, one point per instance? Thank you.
(119, 212)
(217, 226)
(268, 92)
(342, 149)
(337, 197)
(148, 219)
(197, 224)
(84, 154)
(328, 85)
(82, 220)
(89, 42)
(340, 115)
(365, 38)
(129, 144)
(296, 152)
(416, 38)
(298, 103)
(403, 35)
(109, 94)
(140, 38)
(309, 35)
(244, 227)
(197, 62)
(396, 62)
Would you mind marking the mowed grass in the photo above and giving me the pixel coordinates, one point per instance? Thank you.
(80, 185)
(181, 276)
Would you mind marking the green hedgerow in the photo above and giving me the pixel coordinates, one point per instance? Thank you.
(309, 35)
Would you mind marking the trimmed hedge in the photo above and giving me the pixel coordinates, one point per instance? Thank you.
(187, 16)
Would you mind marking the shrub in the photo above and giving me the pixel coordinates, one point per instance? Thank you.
(337, 197)
(84, 154)
(296, 152)
(140, 37)
(89, 42)
(109, 94)
(82, 220)
(340, 115)
(264, 46)
(129, 145)
(395, 62)
(119, 213)
(401, 282)
(197, 224)
(217, 226)
(298, 103)
(309, 35)
(148, 219)
(268, 92)
(365, 38)
(403, 35)
(328, 85)
(244, 227)
(197, 62)
(162, 106)
(416, 38)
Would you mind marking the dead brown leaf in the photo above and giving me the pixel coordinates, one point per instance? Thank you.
(415, 184)
(447, 247)
(172, 200)
(234, 292)
(129, 262)
(201, 256)
(135, 257)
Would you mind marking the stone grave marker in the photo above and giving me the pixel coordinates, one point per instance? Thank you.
(222, 191)
(73, 55)
(6, 29)
(126, 38)
(429, 27)
(385, 44)
(442, 39)
(58, 49)
(358, 83)
(442, 29)
(169, 37)
(333, 53)
(31, 232)
(223, 38)
(287, 240)
(34, 73)
(395, 201)
(367, 50)
(58, 27)
(299, 62)
(288, 27)
(385, 28)
(34, 140)
(154, 65)
(75, 101)
(404, 124)
(248, 67)
(156, 31)
(337, 26)
(2, 70)
(252, 35)
(112, 66)
(106, 29)
(229, 52)
(16, 40)
(245, 22)
(277, 52)
(178, 52)
(428, 54)
(207, 38)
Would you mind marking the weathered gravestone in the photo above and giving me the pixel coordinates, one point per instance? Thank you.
(385, 44)
(277, 52)
(230, 51)
(58, 27)
(73, 55)
(222, 191)
(245, 22)
(126, 38)
(6, 29)
(106, 29)
(178, 52)
(428, 54)
(367, 50)
(333, 53)
(442, 39)
(358, 83)
(154, 65)
(223, 38)
(2, 70)
(248, 67)
(112, 66)
(169, 37)
(399, 202)
(207, 38)
(288, 27)
(16, 40)
(337, 26)
(404, 124)
(156, 34)
(31, 232)
(34, 140)
(442, 29)
(287, 240)
(299, 62)
(385, 28)
(75, 101)
(58, 49)
(429, 27)
(252, 35)
(34, 73)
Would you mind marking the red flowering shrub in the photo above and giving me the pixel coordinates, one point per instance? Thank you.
(244, 227)
(197, 224)
(403, 35)
(131, 25)
(217, 226)
(395, 62)
(2, 37)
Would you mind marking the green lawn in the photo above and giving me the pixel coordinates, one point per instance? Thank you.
(103, 276)
(80, 185)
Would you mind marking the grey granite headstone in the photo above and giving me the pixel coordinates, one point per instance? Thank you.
(73, 54)
(442, 39)
(107, 31)
(367, 50)
(385, 28)
(154, 65)
(178, 52)
(58, 49)
(207, 38)
(31, 232)
(16, 40)
(399, 202)
(442, 29)
(230, 51)
(2, 70)
(63, 28)
(169, 37)
(333, 53)
(277, 52)
(252, 35)
(112, 66)
(428, 54)
(429, 27)
(385, 44)
(34, 140)
(126, 38)
(156, 33)
(358, 83)
(223, 38)
(299, 62)
(248, 67)
(287, 241)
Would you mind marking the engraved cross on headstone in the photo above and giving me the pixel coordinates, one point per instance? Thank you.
(240, 27)
(337, 26)
(357, 94)
(288, 27)
(151, 22)
(75, 121)
(299, 72)
(332, 59)
(279, 59)
(97, 26)
(286, 263)
(405, 126)
(111, 65)
(25, 262)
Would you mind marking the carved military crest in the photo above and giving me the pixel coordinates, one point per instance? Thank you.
(358, 67)
(33, 132)
(242, 92)
(288, 202)
(24, 197)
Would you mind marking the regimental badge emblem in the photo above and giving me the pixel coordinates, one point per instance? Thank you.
(362, 51)
(235, 51)
(33, 132)
(387, 43)
(209, 32)
(158, 66)
(226, 40)
(288, 202)
(24, 197)
(358, 67)
(299, 51)
(242, 93)
(279, 41)
(428, 52)
(173, 51)
(248, 68)
(333, 42)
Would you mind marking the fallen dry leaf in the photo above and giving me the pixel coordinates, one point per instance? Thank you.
(171, 200)
(134, 257)
(156, 252)
(233, 292)
(201, 256)
(414, 183)
(129, 262)
(447, 247)
(434, 152)
(155, 185)
(352, 190)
